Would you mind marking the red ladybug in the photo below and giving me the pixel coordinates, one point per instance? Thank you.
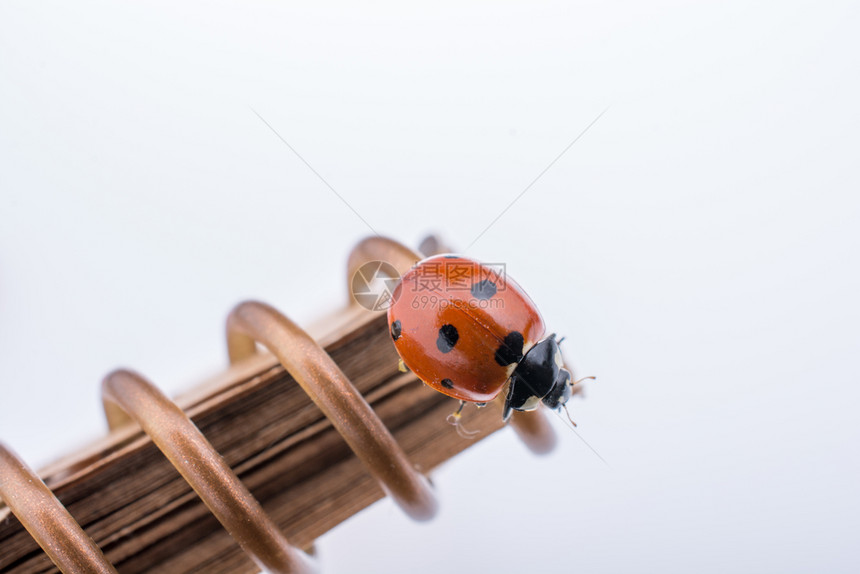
(467, 330)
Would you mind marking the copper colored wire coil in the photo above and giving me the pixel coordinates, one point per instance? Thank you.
(129, 397)
(47, 520)
(337, 398)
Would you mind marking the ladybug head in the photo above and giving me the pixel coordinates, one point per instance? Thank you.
(561, 390)
(539, 377)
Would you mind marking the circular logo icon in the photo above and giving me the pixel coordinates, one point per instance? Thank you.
(373, 285)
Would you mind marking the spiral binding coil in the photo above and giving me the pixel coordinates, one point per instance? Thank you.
(128, 397)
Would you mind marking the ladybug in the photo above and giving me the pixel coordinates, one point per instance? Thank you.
(468, 331)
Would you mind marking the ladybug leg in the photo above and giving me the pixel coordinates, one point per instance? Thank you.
(454, 419)
(507, 411)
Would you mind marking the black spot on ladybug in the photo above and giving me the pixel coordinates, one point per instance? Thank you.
(395, 330)
(483, 290)
(511, 350)
(447, 383)
(448, 337)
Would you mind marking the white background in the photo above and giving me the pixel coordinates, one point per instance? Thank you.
(698, 245)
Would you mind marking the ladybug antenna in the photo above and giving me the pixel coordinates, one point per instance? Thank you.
(563, 337)
(567, 412)
(454, 420)
(576, 382)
